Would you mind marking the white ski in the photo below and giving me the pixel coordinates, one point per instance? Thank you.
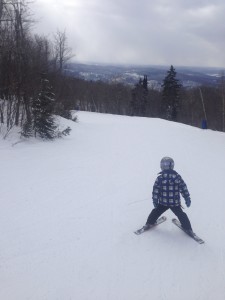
(191, 234)
(143, 229)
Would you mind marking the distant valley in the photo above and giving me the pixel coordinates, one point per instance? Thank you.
(189, 76)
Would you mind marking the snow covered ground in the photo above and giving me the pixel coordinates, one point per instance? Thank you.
(69, 208)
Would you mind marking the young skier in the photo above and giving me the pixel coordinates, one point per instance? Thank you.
(166, 195)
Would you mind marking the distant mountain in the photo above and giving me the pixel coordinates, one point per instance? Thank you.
(189, 76)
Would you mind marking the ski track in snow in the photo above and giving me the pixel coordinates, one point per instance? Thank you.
(69, 209)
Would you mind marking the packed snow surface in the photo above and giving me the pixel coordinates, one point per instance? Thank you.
(69, 209)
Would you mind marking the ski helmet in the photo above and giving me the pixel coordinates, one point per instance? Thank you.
(167, 163)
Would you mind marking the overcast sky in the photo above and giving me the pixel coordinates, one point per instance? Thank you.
(159, 32)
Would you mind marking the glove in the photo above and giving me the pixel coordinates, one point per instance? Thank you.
(188, 202)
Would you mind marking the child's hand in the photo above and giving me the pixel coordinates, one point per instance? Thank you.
(188, 202)
(155, 204)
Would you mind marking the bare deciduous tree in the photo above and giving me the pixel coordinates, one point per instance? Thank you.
(63, 53)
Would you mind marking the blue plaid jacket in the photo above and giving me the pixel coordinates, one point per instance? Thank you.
(167, 189)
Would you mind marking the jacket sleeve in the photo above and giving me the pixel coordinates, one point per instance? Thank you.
(184, 190)
(156, 192)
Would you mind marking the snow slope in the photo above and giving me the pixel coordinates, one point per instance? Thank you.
(69, 208)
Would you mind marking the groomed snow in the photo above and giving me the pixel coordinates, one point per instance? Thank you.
(69, 208)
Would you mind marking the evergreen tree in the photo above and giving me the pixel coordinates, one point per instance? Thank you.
(139, 98)
(170, 95)
(44, 120)
(145, 83)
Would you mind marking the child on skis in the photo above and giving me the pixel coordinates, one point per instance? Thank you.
(166, 195)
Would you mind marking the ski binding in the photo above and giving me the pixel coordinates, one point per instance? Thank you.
(143, 229)
(191, 234)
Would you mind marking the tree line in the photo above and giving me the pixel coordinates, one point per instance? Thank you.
(200, 106)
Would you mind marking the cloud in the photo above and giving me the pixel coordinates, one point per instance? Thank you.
(175, 32)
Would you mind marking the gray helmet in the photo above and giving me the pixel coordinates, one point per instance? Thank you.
(167, 163)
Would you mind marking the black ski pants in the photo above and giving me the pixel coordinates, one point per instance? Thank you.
(177, 210)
